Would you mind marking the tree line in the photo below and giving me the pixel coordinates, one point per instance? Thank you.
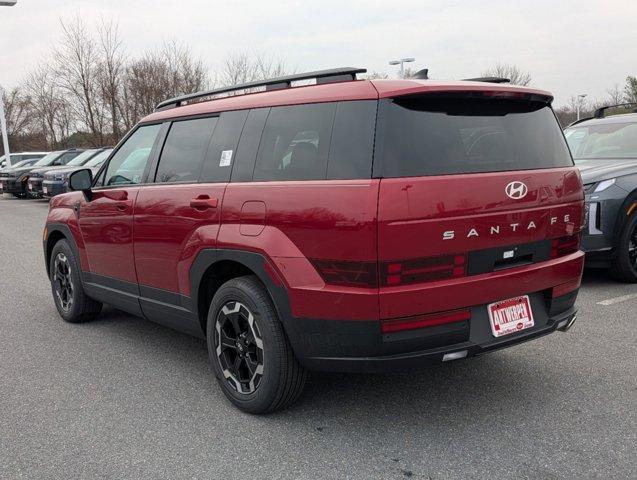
(91, 91)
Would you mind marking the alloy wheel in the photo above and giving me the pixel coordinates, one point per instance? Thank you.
(239, 347)
(63, 281)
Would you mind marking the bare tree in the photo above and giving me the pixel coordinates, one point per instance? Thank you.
(158, 75)
(112, 68)
(512, 72)
(242, 68)
(48, 105)
(78, 70)
(615, 95)
(16, 110)
(376, 75)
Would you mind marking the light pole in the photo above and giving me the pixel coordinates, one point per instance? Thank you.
(402, 62)
(580, 98)
(3, 121)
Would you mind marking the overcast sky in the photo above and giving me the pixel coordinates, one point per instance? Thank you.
(569, 47)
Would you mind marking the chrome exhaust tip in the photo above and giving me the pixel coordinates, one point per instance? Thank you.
(565, 325)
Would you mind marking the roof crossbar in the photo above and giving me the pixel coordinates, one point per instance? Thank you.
(321, 77)
(487, 80)
(599, 113)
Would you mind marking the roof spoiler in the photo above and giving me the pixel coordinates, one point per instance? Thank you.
(487, 79)
(321, 76)
(600, 112)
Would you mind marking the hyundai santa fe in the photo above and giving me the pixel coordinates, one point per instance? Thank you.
(347, 225)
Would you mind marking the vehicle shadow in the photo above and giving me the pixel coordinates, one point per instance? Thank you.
(458, 394)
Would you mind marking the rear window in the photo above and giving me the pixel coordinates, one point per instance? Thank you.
(440, 136)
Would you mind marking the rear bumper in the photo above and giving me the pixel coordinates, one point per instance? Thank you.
(360, 346)
(466, 339)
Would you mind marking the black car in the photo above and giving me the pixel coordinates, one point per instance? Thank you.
(605, 150)
(15, 180)
(56, 181)
(36, 177)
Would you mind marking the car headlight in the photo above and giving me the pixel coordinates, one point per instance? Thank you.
(60, 177)
(603, 185)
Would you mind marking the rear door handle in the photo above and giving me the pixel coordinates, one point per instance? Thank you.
(203, 202)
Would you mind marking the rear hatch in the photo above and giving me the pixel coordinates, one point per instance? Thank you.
(474, 186)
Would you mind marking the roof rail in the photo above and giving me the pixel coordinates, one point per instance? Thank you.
(321, 76)
(599, 113)
(487, 79)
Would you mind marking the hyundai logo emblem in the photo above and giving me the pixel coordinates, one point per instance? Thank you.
(516, 190)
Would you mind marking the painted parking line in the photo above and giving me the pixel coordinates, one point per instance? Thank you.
(613, 301)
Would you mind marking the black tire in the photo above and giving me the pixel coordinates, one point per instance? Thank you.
(282, 378)
(73, 304)
(624, 266)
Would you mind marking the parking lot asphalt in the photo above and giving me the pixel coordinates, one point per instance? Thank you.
(121, 397)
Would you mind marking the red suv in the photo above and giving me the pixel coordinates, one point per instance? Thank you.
(348, 225)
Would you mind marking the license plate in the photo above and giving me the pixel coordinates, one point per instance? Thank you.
(44, 189)
(510, 316)
(30, 187)
(1, 186)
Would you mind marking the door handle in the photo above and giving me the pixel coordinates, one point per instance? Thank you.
(203, 202)
(122, 206)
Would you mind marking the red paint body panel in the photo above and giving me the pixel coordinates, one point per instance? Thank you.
(333, 219)
(61, 211)
(417, 215)
(169, 232)
(106, 225)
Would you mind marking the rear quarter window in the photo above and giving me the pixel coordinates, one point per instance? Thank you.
(437, 136)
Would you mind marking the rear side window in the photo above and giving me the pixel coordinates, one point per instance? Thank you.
(184, 150)
(223, 145)
(448, 135)
(295, 143)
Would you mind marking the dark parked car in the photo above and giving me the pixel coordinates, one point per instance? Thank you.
(15, 180)
(55, 181)
(36, 176)
(605, 150)
(19, 157)
(350, 225)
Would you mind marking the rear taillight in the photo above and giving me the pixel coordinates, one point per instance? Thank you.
(346, 273)
(424, 321)
(565, 245)
(421, 270)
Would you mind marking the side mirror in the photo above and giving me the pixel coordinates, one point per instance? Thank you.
(81, 180)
